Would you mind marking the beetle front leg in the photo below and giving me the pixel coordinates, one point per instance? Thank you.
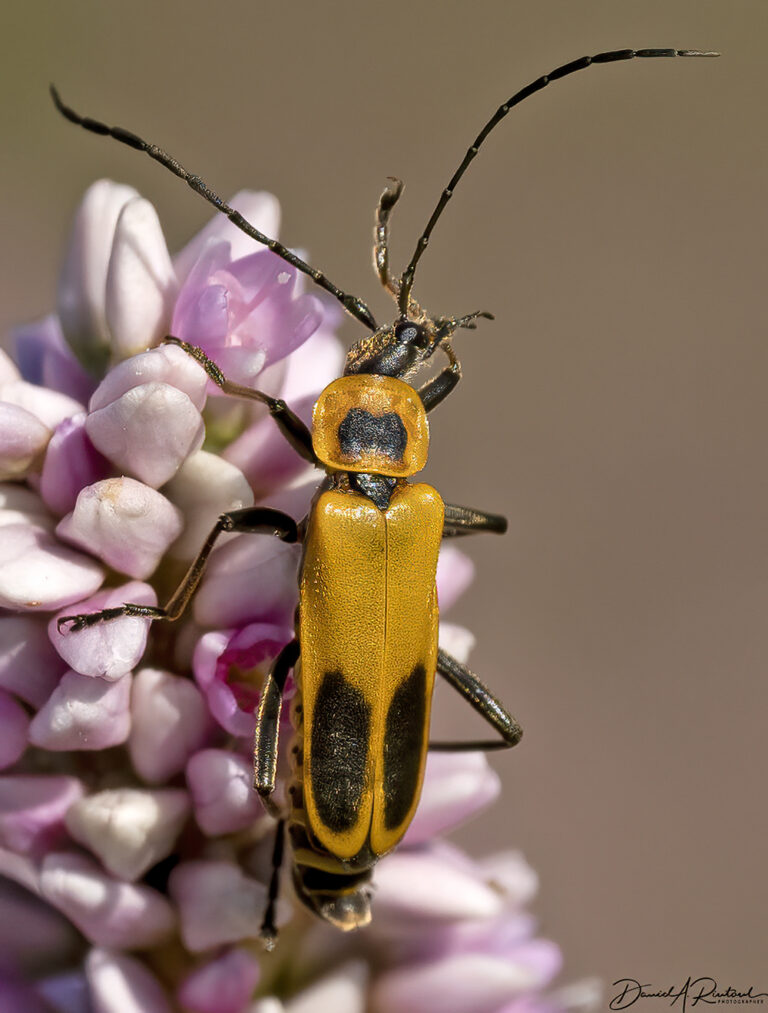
(289, 423)
(484, 702)
(387, 201)
(266, 740)
(249, 520)
(439, 387)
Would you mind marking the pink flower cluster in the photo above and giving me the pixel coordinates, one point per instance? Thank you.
(133, 851)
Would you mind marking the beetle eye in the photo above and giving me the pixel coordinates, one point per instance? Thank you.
(410, 333)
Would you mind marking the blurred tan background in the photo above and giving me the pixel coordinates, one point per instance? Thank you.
(616, 225)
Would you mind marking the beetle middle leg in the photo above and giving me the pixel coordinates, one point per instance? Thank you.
(267, 736)
(289, 423)
(249, 520)
(477, 694)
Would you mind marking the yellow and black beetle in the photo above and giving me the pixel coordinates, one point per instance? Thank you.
(366, 650)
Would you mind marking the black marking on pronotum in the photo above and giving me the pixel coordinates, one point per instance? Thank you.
(361, 432)
(403, 746)
(340, 730)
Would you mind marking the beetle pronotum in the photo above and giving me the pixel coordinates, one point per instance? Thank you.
(365, 653)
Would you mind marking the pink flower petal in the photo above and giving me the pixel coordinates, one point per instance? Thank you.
(122, 984)
(20, 868)
(107, 650)
(221, 785)
(317, 362)
(18, 997)
(455, 573)
(167, 364)
(261, 209)
(48, 406)
(33, 936)
(343, 991)
(129, 829)
(251, 578)
(262, 454)
(19, 505)
(509, 873)
(245, 313)
(224, 985)
(83, 280)
(45, 358)
(296, 500)
(458, 983)
(37, 573)
(108, 912)
(71, 463)
(170, 723)
(23, 438)
(127, 524)
(14, 722)
(83, 713)
(141, 283)
(217, 904)
(200, 315)
(32, 810)
(29, 666)
(204, 487)
(428, 886)
(67, 992)
(456, 786)
(456, 640)
(249, 652)
(270, 1004)
(148, 431)
(8, 369)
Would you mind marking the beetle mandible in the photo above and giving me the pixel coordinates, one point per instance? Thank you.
(365, 652)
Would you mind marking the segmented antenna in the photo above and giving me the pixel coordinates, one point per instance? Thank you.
(356, 307)
(406, 282)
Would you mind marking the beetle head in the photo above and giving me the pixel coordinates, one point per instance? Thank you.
(399, 349)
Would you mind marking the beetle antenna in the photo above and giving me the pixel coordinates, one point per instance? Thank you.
(406, 282)
(354, 306)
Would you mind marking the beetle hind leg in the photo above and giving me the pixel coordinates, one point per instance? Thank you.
(268, 930)
(481, 699)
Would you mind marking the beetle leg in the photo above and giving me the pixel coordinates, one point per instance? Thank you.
(461, 520)
(291, 426)
(268, 725)
(268, 930)
(484, 702)
(249, 520)
(439, 387)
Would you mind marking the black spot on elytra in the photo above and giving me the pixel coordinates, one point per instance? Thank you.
(340, 732)
(403, 744)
